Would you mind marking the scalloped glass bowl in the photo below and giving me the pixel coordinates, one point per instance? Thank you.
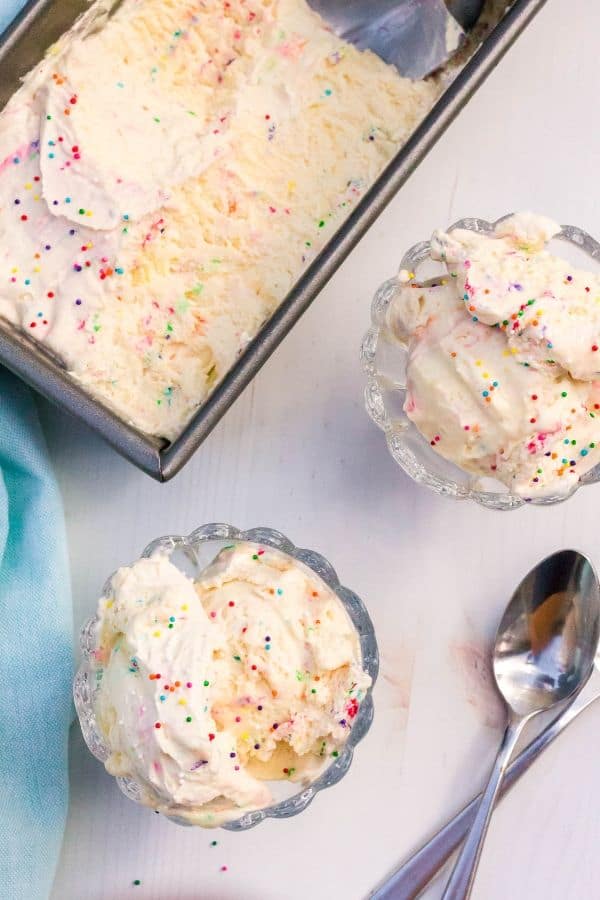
(192, 554)
(384, 361)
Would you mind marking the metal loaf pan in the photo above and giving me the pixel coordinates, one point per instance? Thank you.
(23, 45)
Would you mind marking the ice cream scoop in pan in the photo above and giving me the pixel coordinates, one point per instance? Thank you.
(416, 36)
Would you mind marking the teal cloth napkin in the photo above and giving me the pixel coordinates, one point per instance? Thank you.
(8, 10)
(35, 644)
(35, 653)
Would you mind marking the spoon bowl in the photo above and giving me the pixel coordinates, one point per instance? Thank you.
(548, 635)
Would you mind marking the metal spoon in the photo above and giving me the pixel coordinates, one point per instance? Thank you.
(543, 654)
(412, 877)
(416, 36)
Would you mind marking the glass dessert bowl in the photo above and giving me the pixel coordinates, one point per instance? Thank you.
(386, 357)
(206, 554)
(385, 360)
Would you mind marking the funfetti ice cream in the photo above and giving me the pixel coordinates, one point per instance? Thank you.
(211, 691)
(503, 371)
(167, 173)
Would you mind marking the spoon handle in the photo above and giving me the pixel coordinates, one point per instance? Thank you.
(414, 875)
(463, 874)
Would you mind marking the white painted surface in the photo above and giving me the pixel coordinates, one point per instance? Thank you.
(297, 453)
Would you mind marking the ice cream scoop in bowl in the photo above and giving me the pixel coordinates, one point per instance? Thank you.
(226, 677)
(483, 365)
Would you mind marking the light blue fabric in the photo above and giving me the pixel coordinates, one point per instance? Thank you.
(8, 10)
(35, 653)
(35, 644)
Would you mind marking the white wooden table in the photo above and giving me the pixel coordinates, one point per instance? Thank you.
(298, 453)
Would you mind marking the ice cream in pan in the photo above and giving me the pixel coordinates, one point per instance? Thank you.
(165, 179)
(503, 368)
